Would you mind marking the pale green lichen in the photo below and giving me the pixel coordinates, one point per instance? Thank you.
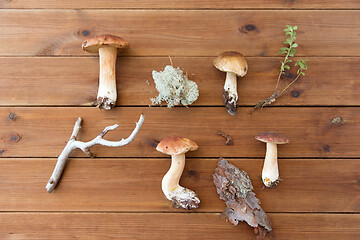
(174, 87)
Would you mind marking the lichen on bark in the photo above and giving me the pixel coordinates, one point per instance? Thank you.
(235, 188)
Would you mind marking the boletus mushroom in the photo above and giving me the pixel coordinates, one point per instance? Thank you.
(234, 64)
(108, 46)
(177, 147)
(270, 172)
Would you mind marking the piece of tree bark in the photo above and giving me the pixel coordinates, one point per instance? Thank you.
(72, 144)
(235, 188)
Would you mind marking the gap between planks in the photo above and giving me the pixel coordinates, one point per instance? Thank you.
(181, 9)
(167, 212)
(195, 158)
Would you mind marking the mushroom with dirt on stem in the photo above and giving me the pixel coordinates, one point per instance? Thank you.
(234, 64)
(108, 46)
(270, 172)
(177, 147)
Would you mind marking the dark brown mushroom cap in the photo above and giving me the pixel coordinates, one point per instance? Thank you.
(176, 145)
(92, 45)
(272, 137)
(233, 62)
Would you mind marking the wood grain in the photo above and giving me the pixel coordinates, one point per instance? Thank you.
(313, 132)
(183, 4)
(56, 82)
(133, 185)
(170, 226)
(47, 81)
(201, 33)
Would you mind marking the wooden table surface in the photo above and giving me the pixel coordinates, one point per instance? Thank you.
(47, 81)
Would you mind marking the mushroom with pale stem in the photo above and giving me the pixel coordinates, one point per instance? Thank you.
(177, 147)
(108, 46)
(270, 172)
(234, 64)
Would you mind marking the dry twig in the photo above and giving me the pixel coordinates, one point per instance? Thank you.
(229, 141)
(73, 144)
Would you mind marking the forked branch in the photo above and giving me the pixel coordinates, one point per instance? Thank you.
(73, 144)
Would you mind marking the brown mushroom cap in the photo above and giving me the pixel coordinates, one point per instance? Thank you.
(272, 137)
(233, 62)
(92, 45)
(176, 145)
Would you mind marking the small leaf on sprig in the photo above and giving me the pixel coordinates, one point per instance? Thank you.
(302, 66)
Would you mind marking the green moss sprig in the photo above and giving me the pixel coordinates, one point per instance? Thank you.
(289, 52)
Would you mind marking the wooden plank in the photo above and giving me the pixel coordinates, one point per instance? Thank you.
(201, 33)
(183, 4)
(325, 185)
(45, 80)
(313, 132)
(170, 226)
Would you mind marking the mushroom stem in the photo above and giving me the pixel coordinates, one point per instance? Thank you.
(181, 196)
(230, 95)
(270, 172)
(171, 179)
(107, 81)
